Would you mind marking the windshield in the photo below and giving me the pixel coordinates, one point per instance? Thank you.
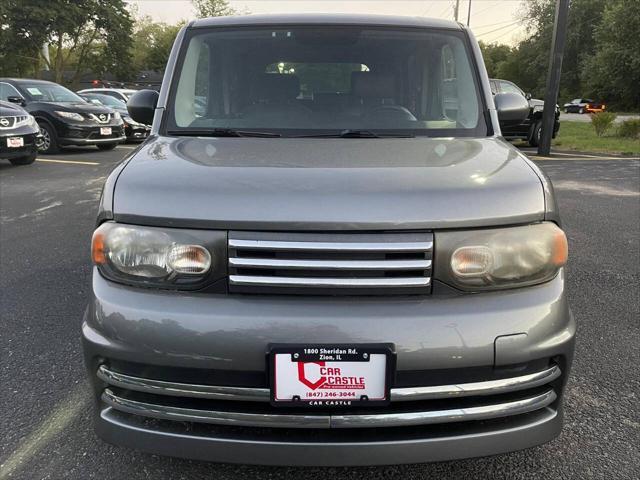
(107, 100)
(306, 80)
(49, 92)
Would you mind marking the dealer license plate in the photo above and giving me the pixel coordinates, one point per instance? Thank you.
(15, 142)
(331, 375)
(105, 130)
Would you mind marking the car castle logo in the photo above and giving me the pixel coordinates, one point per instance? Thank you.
(330, 378)
(4, 122)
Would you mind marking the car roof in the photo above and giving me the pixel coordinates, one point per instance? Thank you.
(26, 80)
(325, 19)
(107, 89)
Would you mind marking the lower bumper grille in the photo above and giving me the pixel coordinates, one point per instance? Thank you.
(248, 407)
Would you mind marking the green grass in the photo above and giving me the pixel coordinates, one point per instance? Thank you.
(582, 137)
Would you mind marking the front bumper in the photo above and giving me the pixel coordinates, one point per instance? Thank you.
(219, 342)
(30, 146)
(90, 135)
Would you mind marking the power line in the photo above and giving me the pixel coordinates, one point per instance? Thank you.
(493, 24)
(500, 28)
(506, 33)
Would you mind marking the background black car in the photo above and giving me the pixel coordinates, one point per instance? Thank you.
(64, 118)
(132, 129)
(531, 129)
(19, 134)
(584, 105)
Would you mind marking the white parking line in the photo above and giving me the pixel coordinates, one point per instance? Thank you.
(125, 147)
(71, 162)
(51, 427)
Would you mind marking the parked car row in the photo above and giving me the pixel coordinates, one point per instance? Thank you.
(42, 116)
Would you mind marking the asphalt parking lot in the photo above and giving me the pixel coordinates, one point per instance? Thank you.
(47, 213)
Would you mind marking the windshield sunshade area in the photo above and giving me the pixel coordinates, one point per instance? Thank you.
(303, 81)
(44, 92)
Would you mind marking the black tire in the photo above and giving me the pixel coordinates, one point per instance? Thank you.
(581, 111)
(106, 146)
(28, 160)
(49, 139)
(566, 110)
(536, 132)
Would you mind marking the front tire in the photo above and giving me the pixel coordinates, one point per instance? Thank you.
(107, 146)
(28, 160)
(536, 133)
(581, 111)
(49, 139)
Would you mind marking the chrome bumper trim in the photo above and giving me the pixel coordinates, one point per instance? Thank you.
(161, 387)
(490, 387)
(403, 419)
(175, 389)
(92, 141)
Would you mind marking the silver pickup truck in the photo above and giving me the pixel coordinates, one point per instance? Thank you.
(315, 259)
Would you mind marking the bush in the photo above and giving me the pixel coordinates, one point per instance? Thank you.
(602, 122)
(630, 128)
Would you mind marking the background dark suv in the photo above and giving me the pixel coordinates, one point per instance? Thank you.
(64, 118)
(531, 128)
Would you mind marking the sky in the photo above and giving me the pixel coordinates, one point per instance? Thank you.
(491, 20)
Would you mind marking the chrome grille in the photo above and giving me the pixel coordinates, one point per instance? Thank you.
(385, 263)
(100, 117)
(13, 121)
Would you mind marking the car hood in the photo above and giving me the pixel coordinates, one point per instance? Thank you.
(8, 109)
(76, 107)
(328, 184)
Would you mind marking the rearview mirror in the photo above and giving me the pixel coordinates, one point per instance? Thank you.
(527, 96)
(512, 108)
(142, 106)
(19, 100)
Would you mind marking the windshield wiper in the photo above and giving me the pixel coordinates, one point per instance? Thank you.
(223, 132)
(354, 133)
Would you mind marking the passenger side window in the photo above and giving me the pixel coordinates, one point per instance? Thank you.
(7, 91)
(506, 87)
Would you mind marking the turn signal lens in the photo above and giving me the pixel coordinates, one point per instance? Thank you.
(471, 261)
(189, 259)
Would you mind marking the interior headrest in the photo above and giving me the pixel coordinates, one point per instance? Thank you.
(373, 84)
(276, 87)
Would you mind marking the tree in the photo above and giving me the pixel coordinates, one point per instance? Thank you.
(212, 8)
(79, 32)
(612, 72)
(494, 56)
(153, 42)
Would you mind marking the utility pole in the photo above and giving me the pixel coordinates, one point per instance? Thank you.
(469, 14)
(553, 77)
(456, 8)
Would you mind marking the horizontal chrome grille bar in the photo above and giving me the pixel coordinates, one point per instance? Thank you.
(276, 263)
(174, 389)
(401, 419)
(331, 246)
(256, 280)
(490, 387)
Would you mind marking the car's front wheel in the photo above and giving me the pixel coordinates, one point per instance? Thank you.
(581, 111)
(536, 133)
(28, 160)
(106, 146)
(49, 142)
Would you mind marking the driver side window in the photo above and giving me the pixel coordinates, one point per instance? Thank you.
(7, 91)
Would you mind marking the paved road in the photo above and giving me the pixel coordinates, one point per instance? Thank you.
(47, 214)
(576, 117)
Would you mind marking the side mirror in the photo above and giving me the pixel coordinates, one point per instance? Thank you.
(19, 100)
(527, 96)
(512, 108)
(142, 106)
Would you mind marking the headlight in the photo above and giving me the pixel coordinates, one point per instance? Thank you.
(28, 120)
(71, 116)
(156, 257)
(538, 108)
(116, 115)
(500, 258)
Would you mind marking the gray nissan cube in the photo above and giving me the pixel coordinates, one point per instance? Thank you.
(327, 254)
